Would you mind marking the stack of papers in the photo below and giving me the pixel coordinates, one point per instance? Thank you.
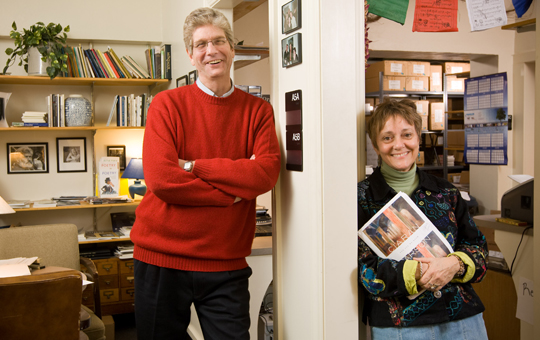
(16, 266)
(44, 203)
(19, 204)
(124, 252)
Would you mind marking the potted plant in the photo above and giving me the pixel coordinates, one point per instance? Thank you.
(48, 40)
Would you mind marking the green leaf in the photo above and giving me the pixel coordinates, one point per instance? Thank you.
(66, 29)
(14, 26)
(9, 50)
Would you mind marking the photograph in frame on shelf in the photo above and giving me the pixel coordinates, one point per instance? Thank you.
(71, 154)
(292, 50)
(192, 77)
(118, 151)
(291, 17)
(182, 81)
(27, 158)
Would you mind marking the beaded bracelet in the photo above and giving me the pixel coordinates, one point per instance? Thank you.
(421, 269)
(461, 270)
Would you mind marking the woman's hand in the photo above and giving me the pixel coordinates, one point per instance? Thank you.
(441, 270)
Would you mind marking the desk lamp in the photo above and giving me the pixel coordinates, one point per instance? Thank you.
(5, 208)
(135, 170)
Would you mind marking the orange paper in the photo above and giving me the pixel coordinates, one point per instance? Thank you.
(435, 16)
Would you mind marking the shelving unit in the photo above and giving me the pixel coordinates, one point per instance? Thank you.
(152, 84)
(262, 52)
(424, 95)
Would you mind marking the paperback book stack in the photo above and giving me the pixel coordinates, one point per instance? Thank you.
(124, 252)
(35, 118)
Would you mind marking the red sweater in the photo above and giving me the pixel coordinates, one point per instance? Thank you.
(188, 221)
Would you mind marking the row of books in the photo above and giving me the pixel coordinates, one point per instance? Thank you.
(92, 63)
(158, 62)
(130, 110)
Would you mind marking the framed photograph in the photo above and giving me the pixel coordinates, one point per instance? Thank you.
(291, 17)
(182, 81)
(71, 154)
(192, 77)
(118, 151)
(28, 158)
(292, 50)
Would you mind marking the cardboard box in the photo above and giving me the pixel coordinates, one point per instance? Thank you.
(435, 78)
(455, 138)
(420, 158)
(418, 69)
(455, 84)
(425, 122)
(388, 68)
(390, 83)
(417, 84)
(108, 322)
(422, 107)
(452, 67)
(436, 116)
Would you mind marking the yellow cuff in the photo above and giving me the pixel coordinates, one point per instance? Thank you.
(469, 267)
(409, 276)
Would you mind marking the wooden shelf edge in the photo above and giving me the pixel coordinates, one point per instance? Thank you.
(82, 206)
(31, 80)
(519, 24)
(77, 128)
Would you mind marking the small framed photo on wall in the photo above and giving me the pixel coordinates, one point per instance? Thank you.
(118, 151)
(192, 77)
(291, 48)
(27, 158)
(182, 81)
(291, 17)
(71, 154)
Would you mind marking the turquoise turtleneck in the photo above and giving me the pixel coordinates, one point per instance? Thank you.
(400, 181)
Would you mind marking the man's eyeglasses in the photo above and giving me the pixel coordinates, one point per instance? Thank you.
(201, 46)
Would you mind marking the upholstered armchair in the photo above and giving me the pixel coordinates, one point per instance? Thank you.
(56, 245)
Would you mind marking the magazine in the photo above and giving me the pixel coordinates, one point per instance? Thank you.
(401, 231)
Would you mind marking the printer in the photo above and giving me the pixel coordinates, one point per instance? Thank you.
(517, 203)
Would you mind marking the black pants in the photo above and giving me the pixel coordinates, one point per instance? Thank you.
(163, 298)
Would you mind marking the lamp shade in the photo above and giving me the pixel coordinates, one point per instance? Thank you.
(135, 170)
(5, 208)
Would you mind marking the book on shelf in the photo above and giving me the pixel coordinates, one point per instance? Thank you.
(117, 60)
(113, 110)
(19, 204)
(134, 65)
(130, 110)
(102, 235)
(122, 221)
(46, 203)
(108, 177)
(56, 111)
(166, 70)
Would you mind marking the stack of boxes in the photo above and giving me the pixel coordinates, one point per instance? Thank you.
(398, 75)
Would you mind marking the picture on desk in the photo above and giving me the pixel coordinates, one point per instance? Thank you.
(27, 158)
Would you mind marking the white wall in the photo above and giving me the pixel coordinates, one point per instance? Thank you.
(315, 245)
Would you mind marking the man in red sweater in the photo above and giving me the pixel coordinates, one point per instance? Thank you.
(209, 150)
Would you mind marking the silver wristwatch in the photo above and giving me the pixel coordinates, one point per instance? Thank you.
(188, 166)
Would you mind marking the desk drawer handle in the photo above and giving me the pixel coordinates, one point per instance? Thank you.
(131, 292)
(108, 282)
(130, 279)
(108, 295)
(129, 265)
(107, 267)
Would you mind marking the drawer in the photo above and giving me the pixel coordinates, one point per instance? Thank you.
(109, 295)
(107, 266)
(127, 280)
(88, 296)
(126, 266)
(127, 294)
(108, 282)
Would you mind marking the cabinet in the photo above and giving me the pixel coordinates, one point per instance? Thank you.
(433, 143)
(27, 91)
